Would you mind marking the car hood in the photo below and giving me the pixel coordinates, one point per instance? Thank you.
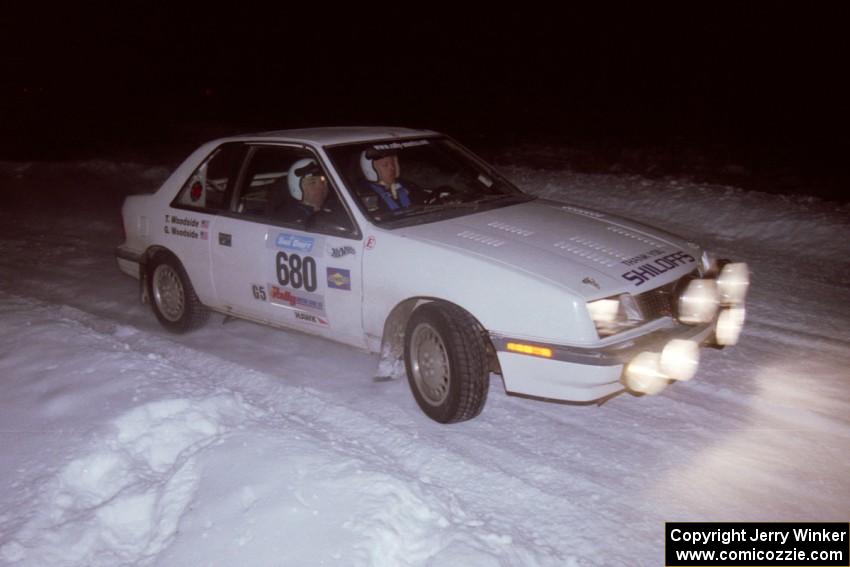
(591, 253)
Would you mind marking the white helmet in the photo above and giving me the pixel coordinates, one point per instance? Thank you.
(299, 170)
(368, 156)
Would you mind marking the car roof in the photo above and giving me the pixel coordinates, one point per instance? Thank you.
(329, 136)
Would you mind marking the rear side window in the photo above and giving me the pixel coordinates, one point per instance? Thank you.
(265, 191)
(209, 188)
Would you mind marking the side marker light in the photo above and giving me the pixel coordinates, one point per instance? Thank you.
(530, 349)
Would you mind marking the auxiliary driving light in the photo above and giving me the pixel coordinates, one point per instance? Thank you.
(698, 303)
(733, 282)
(643, 374)
(680, 359)
(729, 325)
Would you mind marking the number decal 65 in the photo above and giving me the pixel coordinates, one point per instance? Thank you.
(259, 292)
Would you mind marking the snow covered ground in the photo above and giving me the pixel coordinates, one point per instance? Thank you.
(242, 445)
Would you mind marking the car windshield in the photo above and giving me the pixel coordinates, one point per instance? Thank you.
(404, 182)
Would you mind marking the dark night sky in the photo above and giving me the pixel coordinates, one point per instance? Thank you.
(739, 79)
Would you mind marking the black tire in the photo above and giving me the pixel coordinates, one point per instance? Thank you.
(172, 296)
(446, 360)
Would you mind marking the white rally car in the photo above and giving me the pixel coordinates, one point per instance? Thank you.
(404, 243)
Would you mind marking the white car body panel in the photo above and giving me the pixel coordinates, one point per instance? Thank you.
(421, 268)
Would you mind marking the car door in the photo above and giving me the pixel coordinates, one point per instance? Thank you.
(274, 266)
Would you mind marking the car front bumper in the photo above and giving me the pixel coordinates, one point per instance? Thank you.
(583, 374)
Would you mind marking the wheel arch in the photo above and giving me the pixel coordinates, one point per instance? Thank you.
(146, 259)
(192, 312)
(391, 363)
(155, 249)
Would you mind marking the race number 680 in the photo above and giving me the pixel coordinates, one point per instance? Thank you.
(295, 271)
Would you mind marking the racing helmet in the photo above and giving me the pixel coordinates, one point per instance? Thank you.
(367, 158)
(297, 172)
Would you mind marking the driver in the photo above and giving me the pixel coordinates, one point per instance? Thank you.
(382, 170)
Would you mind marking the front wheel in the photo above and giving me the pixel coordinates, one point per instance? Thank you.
(446, 359)
(173, 299)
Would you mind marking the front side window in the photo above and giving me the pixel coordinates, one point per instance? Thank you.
(289, 186)
(210, 186)
(403, 182)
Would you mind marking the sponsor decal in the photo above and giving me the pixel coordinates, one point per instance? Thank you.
(294, 242)
(370, 243)
(286, 298)
(224, 239)
(401, 145)
(311, 319)
(643, 257)
(339, 279)
(340, 251)
(590, 281)
(645, 272)
(205, 224)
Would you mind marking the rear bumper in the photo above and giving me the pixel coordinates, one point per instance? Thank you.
(129, 262)
(583, 374)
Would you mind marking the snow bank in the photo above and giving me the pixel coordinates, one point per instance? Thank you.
(258, 483)
(120, 501)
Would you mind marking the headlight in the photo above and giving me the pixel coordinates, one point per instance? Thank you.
(698, 303)
(604, 310)
(614, 314)
(733, 283)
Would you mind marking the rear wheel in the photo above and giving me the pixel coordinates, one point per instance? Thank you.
(446, 360)
(172, 297)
